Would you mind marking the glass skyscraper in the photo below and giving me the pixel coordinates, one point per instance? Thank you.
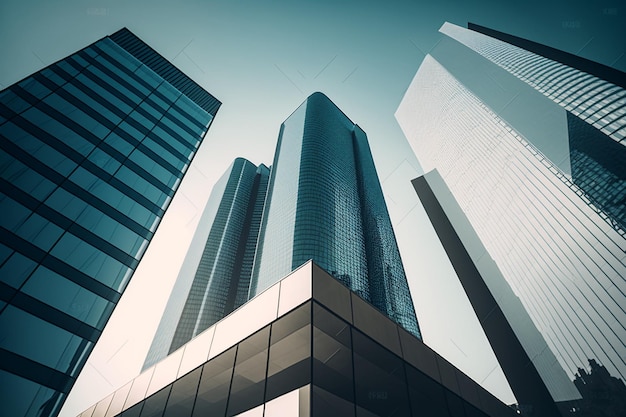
(92, 150)
(528, 143)
(325, 203)
(594, 97)
(215, 277)
(320, 200)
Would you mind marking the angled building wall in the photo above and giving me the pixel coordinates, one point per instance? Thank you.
(561, 253)
(306, 346)
(92, 150)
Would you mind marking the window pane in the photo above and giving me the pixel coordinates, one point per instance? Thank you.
(332, 353)
(16, 269)
(155, 405)
(379, 378)
(183, 395)
(214, 385)
(249, 376)
(23, 333)
(62, 294)
(290, 353)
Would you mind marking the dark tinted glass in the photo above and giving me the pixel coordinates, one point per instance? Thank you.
(332, 356)
(214, 385)
(290, 353)
(379, 378)
(247, 390)
(183, 395)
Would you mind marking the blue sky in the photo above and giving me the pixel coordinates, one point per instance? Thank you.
(262, 59)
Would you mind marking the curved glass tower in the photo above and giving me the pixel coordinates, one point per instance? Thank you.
(325, 203)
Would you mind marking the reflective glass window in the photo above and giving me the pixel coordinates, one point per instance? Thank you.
(426, 395)
(147, 163)
(176, 161)
(57, 129)
(104, 160)
(379, 378)
(13, 213)
(113, 197)
(141, 185)
(248, 383)
(324, 404)
(290, 352)
(93, 102)
(37, 149)
(109, 83)
(110, 230)
(22, 177)
(66, 203)
(183, 395)
(123, 74)
(39, 231)
(110, 96)
(119, 54)
(13, 101)
(155, 404)
(23, 333)
(16, 269)
(64, 295)
(5, 252)
(214, 385)
(332, 353)
(53, 76)
(34, 397)
(148, 76)
(174, 142)
(34, 87)
(119, 144)
(168, 91)
(90, 260)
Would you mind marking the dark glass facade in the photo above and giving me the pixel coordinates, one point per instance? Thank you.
(92, 150)
(325, 203)
(321, 200)
(223, 276)
(598, 169)
(339, 355)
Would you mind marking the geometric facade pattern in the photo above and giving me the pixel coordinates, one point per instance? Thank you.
(306, 346)
(92, 150)
(551, 243)
(320, 200)
(214, 282)
(325, 203)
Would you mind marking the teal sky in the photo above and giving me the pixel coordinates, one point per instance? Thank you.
(262, 59)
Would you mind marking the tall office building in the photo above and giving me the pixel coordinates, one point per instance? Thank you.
(320, 200)
(92, 150)
(528, 143)
(215, 277)
(325, 203)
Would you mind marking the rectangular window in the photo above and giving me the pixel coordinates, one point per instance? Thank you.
(68, 297)
(91, 261)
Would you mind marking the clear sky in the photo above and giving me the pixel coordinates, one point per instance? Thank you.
(262, 59)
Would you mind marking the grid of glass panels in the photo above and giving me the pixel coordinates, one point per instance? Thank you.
(565, 265)
(345, 371)
(325, 203)
(598, 102)
(219, 280)
(92, 149)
